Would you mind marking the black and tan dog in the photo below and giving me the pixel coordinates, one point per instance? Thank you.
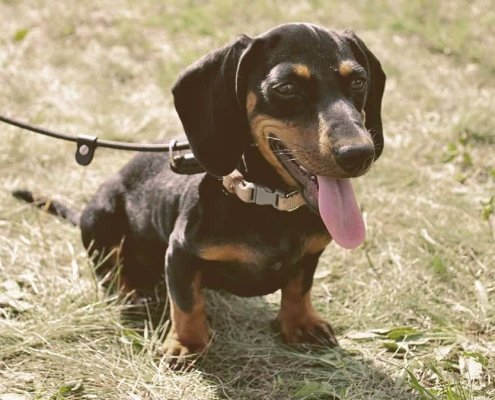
(294, 109)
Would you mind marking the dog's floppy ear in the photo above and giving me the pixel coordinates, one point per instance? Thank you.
(376, 77)
(206, 99)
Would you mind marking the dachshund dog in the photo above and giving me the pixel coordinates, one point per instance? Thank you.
(294, 110)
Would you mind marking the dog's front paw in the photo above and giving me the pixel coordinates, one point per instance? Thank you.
(310, 329)
(180, 353)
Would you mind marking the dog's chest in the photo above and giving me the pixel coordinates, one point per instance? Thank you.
(252, 250)
(259, 254)
(253, 268)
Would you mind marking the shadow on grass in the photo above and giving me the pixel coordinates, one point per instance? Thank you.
(247, 360)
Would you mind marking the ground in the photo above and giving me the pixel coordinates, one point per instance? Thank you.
(413, 307)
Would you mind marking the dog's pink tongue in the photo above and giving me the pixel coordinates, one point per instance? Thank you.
(340, 212)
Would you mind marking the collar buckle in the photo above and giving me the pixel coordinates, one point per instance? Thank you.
(275, 198)
(263, 196)
(250, 192)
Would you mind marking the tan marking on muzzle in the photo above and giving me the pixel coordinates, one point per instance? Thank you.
(303, 143)
(324, 142)
(261, 128)
(251, 101)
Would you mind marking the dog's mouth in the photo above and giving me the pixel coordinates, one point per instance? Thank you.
(330, 197)
(307, 182)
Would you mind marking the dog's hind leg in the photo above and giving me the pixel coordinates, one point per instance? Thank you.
(103, 226)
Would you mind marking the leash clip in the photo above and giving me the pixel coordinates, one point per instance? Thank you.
(182, 160)
(86, 146)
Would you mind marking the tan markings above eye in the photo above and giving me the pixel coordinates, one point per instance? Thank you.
(302, 71)
(346, 67)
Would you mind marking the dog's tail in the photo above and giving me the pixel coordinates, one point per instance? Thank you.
(51, 206)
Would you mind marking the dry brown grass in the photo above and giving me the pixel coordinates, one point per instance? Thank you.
(413, 307)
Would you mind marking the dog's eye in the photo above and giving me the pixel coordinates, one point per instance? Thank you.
(357, 84)
(286, 89)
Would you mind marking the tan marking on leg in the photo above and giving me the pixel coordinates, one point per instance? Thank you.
(251, 101)
(302, 71)
(189, 332)
(346, 67)
(228, 252)
(297, 319)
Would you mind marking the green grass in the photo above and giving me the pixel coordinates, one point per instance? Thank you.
(413, 307)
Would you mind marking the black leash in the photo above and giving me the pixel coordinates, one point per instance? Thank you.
(182, 161)
(87, 144)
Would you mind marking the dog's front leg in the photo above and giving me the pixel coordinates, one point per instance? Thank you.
(189, 332)
(297, 320)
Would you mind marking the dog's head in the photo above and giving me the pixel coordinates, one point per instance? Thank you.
(309, 98)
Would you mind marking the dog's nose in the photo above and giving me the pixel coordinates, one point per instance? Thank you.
(355, 159)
